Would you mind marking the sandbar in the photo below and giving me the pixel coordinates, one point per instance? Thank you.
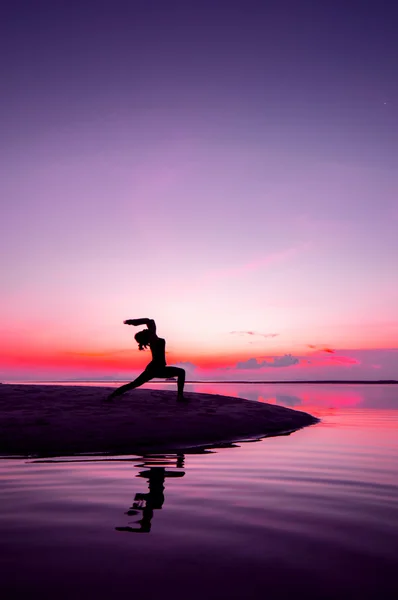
(65, 420)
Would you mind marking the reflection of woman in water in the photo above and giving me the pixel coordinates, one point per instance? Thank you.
(157, 367)
(154, 499)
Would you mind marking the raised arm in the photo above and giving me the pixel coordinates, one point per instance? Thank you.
(150, 323)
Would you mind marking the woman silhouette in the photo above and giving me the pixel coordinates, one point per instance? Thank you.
(157, 366)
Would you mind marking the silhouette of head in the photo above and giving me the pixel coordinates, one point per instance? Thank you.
(142, 339)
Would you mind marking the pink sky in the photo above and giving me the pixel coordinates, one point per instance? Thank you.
(217, 187)
(259, 318)
(257, 286)
(219, 296)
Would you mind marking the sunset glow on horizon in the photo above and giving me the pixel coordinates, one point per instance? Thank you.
(232, 175)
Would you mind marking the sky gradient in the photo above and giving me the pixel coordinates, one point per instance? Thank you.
(228, 169)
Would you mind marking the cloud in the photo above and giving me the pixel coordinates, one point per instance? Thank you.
(273, 361)
(256, 264)
(189, 367)
(321, 348)
(265, 335)
(185, 364)
(237, 271)
(284, 361)
(344, 360)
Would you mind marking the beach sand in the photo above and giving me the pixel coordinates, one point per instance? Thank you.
(55, 420)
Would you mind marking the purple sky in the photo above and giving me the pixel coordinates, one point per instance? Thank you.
(229, 166)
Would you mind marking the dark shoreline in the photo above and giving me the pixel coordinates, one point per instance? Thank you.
(45, 420)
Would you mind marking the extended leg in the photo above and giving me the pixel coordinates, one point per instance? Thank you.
(141, 379)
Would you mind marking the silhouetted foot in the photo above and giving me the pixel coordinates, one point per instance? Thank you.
(182, 398)
(112, 396)
(131, 530)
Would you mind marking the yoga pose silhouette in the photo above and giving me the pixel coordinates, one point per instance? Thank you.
(157, 367)
(154, 498)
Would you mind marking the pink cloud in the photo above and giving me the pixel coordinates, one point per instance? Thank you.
(320, 348)
(254, 265)
(255, 333)
(272, 361)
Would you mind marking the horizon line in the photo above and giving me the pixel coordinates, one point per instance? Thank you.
(241, 381)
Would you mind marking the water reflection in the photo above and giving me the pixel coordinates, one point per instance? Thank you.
(147, 503)
(303, 396)
(155, 468)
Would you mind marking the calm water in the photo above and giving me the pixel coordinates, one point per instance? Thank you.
(313, 514)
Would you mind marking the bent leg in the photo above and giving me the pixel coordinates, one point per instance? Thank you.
(141, 379)
(175, 372)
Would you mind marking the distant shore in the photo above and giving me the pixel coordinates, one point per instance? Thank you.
(242, 381)
(63, 420)
(197, 381)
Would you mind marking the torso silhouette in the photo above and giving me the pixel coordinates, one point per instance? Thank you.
(157, 347)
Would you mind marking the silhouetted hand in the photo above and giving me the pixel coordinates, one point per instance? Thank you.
(129, 322)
